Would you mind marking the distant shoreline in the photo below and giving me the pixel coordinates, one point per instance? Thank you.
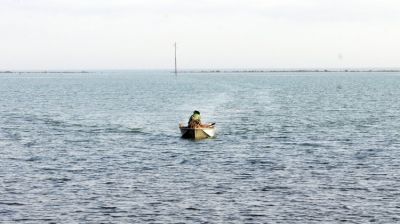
(42, 72)
(223, 71)
(289, 70)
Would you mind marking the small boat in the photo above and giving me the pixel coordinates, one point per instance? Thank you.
(198, 133)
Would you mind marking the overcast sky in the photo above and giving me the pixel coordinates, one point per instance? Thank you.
(139, 34)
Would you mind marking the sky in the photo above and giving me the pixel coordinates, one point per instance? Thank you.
(210, 34)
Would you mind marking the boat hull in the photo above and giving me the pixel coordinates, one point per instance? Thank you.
(197, 133)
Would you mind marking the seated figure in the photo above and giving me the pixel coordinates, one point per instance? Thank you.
(195, 120)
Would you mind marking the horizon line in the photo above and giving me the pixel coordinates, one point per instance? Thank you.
(204, 68)
(211, 70)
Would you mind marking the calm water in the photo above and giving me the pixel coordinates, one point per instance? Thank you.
(290, 148)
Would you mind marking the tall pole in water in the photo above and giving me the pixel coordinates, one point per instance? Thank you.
(176, 69)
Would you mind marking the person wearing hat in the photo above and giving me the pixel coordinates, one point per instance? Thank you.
(195, 120)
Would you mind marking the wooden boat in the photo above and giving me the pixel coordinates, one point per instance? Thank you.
(197, 133)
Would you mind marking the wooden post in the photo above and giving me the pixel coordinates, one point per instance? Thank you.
(176, 69)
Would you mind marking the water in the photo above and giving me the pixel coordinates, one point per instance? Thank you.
(105, 147)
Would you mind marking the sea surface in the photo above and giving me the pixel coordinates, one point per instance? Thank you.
(104, 147)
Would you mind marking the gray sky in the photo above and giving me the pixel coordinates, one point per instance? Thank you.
(130, 34)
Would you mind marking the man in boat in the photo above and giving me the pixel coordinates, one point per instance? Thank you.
(195, 121)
